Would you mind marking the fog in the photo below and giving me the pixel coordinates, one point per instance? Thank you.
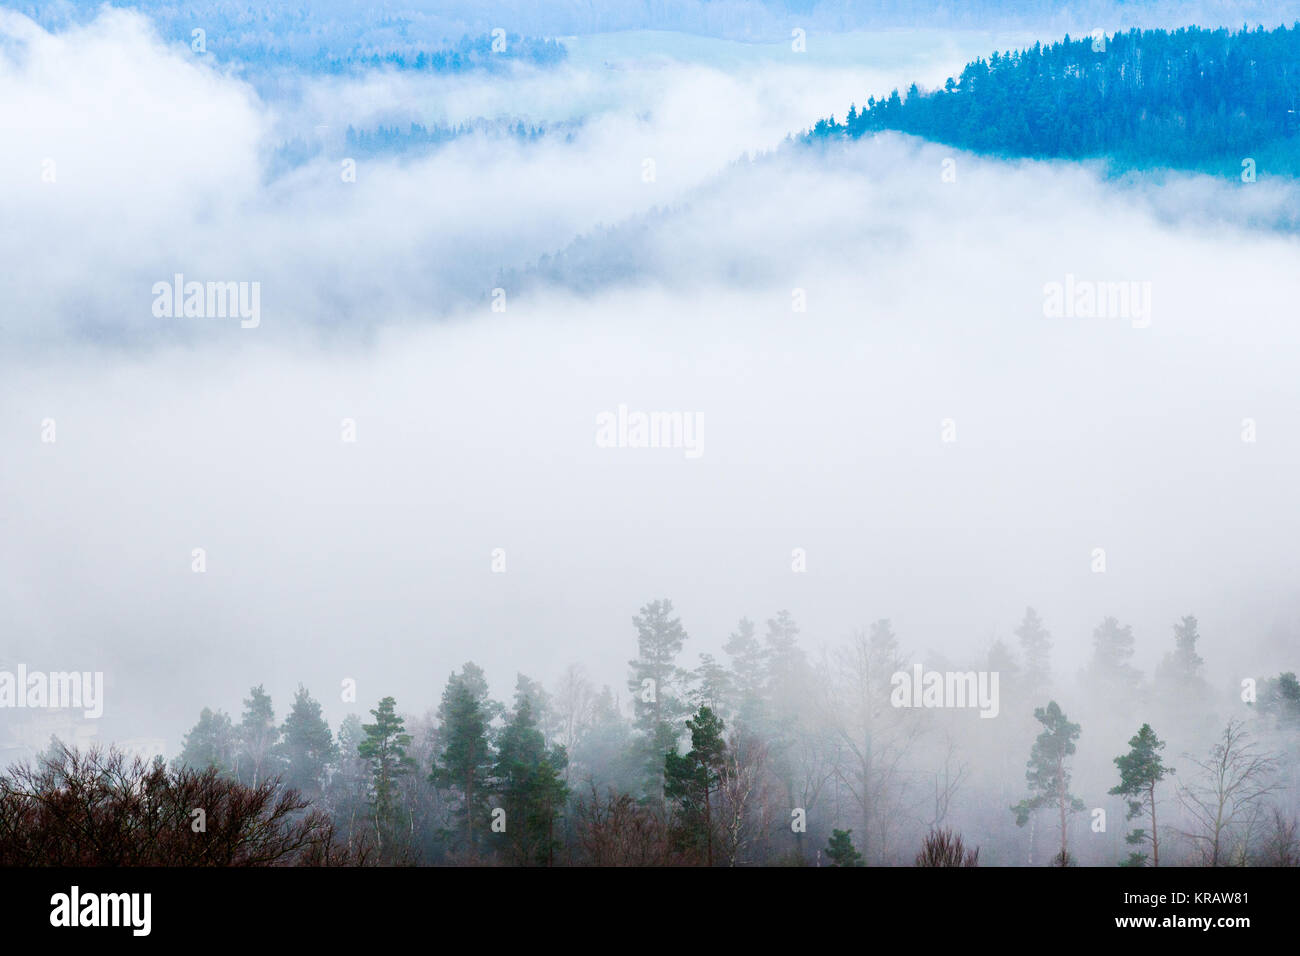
(943, 452)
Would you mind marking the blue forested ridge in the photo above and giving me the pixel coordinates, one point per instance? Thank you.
(322, 38)
(1189, 98)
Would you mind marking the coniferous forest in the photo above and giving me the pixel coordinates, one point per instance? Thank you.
(1190, 98)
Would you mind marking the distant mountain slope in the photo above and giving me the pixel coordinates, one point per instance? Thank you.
(330, 38)
(345, 26)
(1191, 98)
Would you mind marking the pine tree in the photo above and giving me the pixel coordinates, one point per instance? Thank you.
(464, 763)
(1048, 773)
(712, 684)
(307, 748)
(384, 750)
(1139, 771)
(692, 780)
(840, 849)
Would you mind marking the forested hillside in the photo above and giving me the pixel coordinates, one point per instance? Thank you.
(324, 38)
(1191, 98)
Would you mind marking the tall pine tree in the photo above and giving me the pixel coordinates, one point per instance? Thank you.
(384, 750)
(1139, 771)
(1048, 774)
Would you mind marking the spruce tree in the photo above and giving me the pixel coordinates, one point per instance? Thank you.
(529, 782)
(1185, 661)
(349, 780)
(307, 747)
(543, 708)
(1036, 646)
(258, 734)
(1003, 663)
(840, 849)
(658, 701)
(604, 753)
(1109, 672)
(464, 761)
(210, 743)
(748, 672)
(1180, 688)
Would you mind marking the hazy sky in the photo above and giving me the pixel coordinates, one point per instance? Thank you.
(821, 429)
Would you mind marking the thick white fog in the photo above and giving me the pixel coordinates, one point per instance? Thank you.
(942, 450)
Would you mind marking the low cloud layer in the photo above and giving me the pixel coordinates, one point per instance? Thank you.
(942, 451)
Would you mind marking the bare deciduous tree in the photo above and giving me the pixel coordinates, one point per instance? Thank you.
(875, 737)
(1225, 797)
(747, 795)
(945, 848)
(1281, 847)
(103, 808)
(615, 830)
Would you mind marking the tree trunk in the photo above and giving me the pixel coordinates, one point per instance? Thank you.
(1060, 783)
(1155, 840)
(469, 814)
(708, 825)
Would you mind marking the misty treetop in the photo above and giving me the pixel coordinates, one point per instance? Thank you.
(1189, 98)
(418, 136)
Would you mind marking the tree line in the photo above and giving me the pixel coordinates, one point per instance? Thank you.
(771, 755)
